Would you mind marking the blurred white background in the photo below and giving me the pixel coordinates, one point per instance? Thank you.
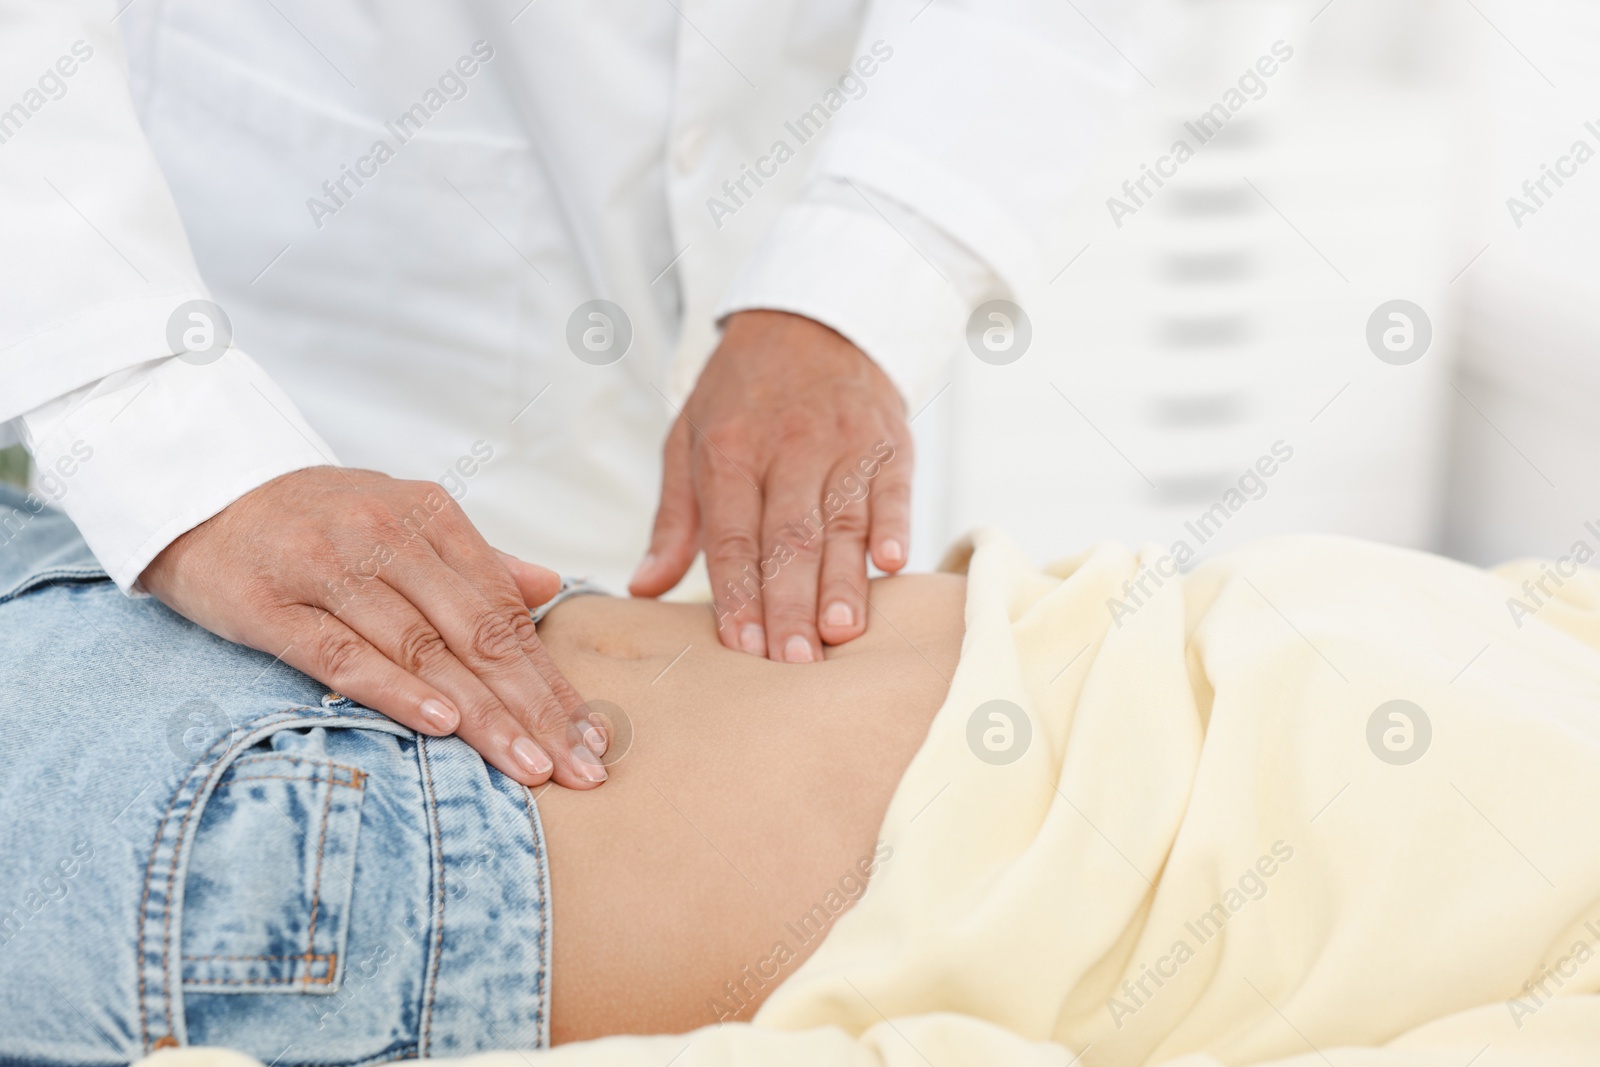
(1230, 312)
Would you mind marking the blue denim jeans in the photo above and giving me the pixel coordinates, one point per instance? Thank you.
(200, 845)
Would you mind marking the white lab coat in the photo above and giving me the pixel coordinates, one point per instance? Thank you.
(879, 166)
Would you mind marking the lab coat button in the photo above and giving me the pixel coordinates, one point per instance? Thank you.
(690, 149)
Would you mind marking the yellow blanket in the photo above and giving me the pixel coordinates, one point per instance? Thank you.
(1317, 802)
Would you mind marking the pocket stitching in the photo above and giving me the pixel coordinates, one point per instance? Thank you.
(290, 757)
(357, 776)
(358, 783)
(333, 964)
(211, 764)
(296, 956)
(351, 778)
(316, 890)
(149, 878)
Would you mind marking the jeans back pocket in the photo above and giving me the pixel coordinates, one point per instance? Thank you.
(267, 896)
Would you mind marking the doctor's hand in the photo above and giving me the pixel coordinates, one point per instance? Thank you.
(384, 591)
(789, 460)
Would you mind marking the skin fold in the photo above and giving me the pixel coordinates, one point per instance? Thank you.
(746, 790)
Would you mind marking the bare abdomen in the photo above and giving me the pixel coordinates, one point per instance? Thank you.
(743, 819)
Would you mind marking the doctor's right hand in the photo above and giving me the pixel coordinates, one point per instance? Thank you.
(384, 591)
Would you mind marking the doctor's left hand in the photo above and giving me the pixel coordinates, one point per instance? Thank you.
(789, 463)
(384, 591)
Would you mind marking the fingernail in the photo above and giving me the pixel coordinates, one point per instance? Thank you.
(530, 756)
(439, 715)
(595, 738)
(587, 766)
(753, 639)
(892, 551)
(797, 650)
(838, 614)
(645, 565)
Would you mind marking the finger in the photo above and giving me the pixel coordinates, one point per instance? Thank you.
(462, 589)
(890, 507)
(673, 539)
(567, 727)
(730, 505)
(842, 586)
(536, 584)
(326, 649)
(794, 524)
(394, 626)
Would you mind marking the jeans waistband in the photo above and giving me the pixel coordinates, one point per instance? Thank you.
(570, 587)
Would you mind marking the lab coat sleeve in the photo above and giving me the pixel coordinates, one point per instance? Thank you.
(881, 275)
(134, 444)
(961, 159)
(144, 454)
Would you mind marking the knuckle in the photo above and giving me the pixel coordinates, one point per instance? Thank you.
(550, 719)
(715, 443)
(372, 513)
(731, 544)
(323, 556)
(479, 717)
(726, 469)
(804, 549)
(337, 652)
(420, 504)
(726, 430)
(419, 648)
(794, 429)
(524, 632)
(492, 638)
(261, 586)
(724, 451)
(848, 525)
(444, 507)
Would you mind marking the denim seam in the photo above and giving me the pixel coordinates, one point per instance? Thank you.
(289, 757)
(296, 956)
(358, 777)
(403, 1052)
(260, 981)
(535, 831)
(310, 778)
(316, 887)
(73, 573)
(426, 1039)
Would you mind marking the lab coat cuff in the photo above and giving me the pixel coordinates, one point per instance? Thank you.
(87, 347)
(137, 462)
(855, 273)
